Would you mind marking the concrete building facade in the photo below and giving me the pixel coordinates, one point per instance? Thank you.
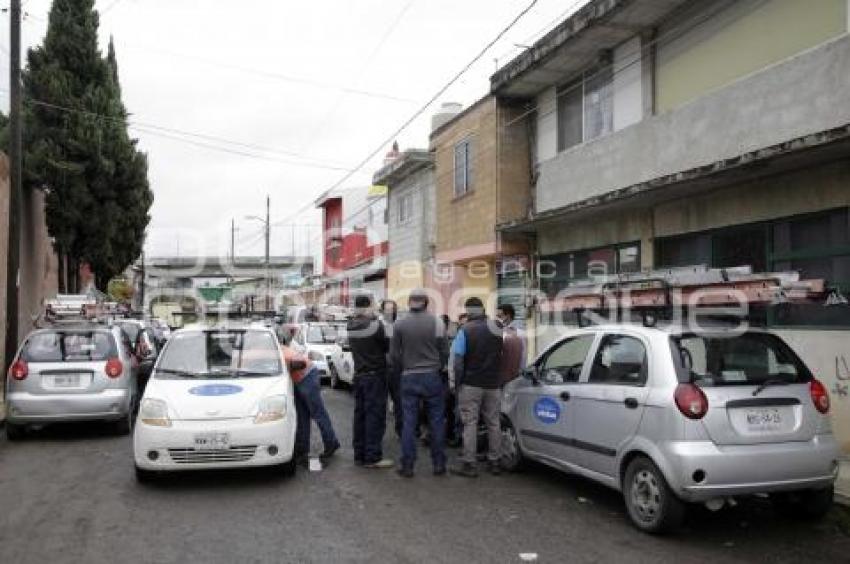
(411, 221)
(673, 133)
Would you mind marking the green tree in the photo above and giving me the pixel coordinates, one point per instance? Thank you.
(77, 147)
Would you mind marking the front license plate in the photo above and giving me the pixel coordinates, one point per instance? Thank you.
(66, 381)
(764, 419)
(212, 441)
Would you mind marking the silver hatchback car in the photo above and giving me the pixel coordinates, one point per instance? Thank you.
(670, 416)
(71, 372)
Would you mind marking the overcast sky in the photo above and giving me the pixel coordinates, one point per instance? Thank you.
(236, 100)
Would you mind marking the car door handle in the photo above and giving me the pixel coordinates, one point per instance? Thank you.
(565, 396)
(631, 403)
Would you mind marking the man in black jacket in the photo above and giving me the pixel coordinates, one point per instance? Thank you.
(369, 349)
(477, 356)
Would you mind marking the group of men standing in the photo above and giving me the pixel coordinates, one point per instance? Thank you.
(409, 359)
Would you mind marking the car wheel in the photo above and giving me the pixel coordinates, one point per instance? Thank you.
(15, 432)
(651, 504)
(287, 469)
(124, 425)
(511, 455)
(145, 476)
(808, 504)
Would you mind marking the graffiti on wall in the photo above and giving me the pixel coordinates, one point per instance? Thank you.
(842, 374)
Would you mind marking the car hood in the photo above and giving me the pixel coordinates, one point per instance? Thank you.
(215, 399)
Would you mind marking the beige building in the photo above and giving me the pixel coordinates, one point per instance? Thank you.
(482, 179)
(685, 132)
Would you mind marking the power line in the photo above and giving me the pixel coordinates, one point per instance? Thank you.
(435, 96)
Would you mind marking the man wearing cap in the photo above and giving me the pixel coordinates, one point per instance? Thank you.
(418, 353)
(477, 356)
(369, 349)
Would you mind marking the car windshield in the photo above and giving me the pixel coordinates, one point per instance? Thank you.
(742, 359)
(322, 334)
(69, 346)
(220, 354)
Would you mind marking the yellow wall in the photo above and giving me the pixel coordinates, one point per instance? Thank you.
(746, 37)
(402, 278)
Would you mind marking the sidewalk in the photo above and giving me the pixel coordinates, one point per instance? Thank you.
(842, 485)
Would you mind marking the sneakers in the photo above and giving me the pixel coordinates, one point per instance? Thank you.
(382, 463)
(328, 452)
(466, 469)
(405, 472)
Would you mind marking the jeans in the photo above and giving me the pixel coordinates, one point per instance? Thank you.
(394, 389)
(474, 401)
(370, 416)
(416, 388)
(309, 405)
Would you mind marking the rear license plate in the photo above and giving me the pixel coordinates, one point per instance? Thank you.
(212, 441)
(66, 381)
(764, 419)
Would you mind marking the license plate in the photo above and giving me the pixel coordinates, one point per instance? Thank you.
(764, 419)
(66, 381)
(212, 441)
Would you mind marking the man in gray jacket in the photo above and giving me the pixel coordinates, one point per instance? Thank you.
(419, 353)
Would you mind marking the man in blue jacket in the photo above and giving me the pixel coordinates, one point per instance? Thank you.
(477, 357)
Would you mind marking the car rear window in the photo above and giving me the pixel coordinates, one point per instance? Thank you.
(228, 353)
(743, 359)
(69, 346)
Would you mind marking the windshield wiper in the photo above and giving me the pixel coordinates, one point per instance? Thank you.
(767, 383)
(238, 372)
(175, 372)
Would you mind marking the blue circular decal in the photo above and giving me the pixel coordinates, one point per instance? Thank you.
(547, 410)
(215, 390)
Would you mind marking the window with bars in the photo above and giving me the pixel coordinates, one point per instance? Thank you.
(463, 168)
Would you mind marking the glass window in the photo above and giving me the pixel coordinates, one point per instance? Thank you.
(405, 208)
(463, 168)
(598, 104)
(220, 353)
(620, 360)
(570, 124)
(69, 346)
(564, 363)
(751, 358)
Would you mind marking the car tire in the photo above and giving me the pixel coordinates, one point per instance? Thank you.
(146, 476)
(287, 469)
(651, 504)
(804, 505)
(511, 459)
(15, 432)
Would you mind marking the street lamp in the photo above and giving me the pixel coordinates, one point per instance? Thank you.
(267, 227)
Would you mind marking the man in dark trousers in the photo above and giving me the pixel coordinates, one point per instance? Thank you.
(419, 354)
(389, 314)
(369, 348)
(477, 356)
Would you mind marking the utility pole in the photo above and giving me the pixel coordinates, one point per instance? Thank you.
(232, 241)
(15, 190)
(268, 236)
(293, 240)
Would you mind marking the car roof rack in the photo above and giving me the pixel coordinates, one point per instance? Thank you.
(659, 294)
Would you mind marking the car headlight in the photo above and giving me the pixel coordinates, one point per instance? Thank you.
(154, 412)
(316, 355)
(272, 408)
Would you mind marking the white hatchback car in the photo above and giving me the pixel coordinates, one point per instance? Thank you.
(218, 397)
(670, 416)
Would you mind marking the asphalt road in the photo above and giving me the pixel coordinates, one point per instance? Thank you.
(68, 494)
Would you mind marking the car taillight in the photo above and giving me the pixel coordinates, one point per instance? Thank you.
(691, 401)
(114, 368)
(19, 370)
(820, 397)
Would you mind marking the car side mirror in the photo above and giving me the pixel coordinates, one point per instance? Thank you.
(533, 374)
(297, 365)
